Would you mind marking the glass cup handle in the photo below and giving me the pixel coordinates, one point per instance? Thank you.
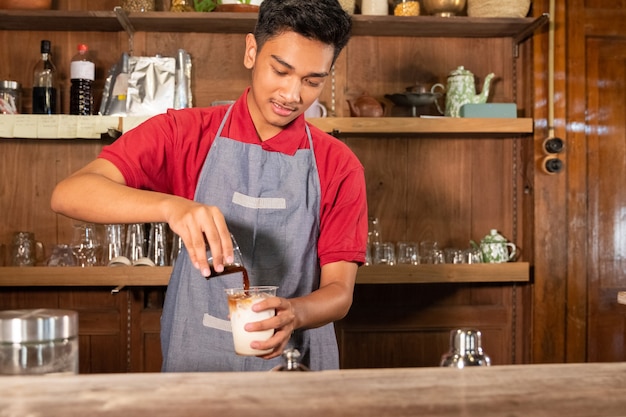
(433, 90)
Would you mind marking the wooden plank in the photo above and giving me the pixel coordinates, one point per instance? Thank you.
(220, 22)
(414, 274)
(148, 276)
(423, 125)
(556, 390)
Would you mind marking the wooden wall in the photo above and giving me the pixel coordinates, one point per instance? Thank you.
(447, 188)
(579, 239)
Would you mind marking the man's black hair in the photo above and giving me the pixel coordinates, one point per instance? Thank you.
(322, 20)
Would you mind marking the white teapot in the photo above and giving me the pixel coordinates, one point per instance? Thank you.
(496, 249)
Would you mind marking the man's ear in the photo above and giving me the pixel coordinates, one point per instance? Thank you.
(249, 56)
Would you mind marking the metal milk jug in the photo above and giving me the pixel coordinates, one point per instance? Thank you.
(461, 90)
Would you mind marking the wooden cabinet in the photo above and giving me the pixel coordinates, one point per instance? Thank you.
(427, 178)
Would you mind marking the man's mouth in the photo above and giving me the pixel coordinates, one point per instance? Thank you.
(282, 110)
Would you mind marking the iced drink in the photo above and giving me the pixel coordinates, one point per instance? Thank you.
(240, 304)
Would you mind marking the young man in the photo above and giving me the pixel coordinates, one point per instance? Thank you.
(293, 197)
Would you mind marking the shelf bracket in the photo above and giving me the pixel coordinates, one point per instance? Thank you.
(528, 31)
(122, 17)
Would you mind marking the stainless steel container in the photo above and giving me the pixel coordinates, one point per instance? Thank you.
(465, 350)
(10, 97)
(39, 341)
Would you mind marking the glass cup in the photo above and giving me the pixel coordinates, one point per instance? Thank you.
(240, 304)
(157, 244)
(430, 253)
(408, 253)
(85, 244)
(237, 263)
(113, 244)
(373, 231)
(62, 255)
(472, 256)
(26, 251)
(453, 256)
(135, 245)
(177, 246)
(384, 254)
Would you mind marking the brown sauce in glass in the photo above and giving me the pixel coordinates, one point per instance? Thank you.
(231, 269)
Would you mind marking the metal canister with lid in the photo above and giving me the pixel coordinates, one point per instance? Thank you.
(465, 350)
(38, 341)
(10, 97)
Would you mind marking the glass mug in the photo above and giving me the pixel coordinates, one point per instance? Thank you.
(62, 255)
(26, 251)
(316, 109)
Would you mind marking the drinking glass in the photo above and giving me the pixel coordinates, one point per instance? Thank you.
(472, 256)
(237, 257)
(373, 232)
(240, 304)
(408, 253)
(177, 246)
(157, 244)
(113, 244)
(62, 255)
(384, 254)
(453, 256)
(26, 251)
(85, 244)
(135, 242)
(430, 252)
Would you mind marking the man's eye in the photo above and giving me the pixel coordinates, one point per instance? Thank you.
(279, 72)
(312, 83)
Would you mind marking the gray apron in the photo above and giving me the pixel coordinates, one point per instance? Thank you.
(271, 202)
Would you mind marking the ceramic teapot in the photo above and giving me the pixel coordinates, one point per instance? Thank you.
(461, 90)
(496, 249)
(365, 106)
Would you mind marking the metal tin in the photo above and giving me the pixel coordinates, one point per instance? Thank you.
(10, 97)
(38, 341)
(465, 350)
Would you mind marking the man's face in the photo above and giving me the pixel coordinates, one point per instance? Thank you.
(288, 74)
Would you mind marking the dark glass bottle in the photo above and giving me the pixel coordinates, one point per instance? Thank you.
(82, 75)
(45, 91)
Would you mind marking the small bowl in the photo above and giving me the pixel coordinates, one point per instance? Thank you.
(444, 8)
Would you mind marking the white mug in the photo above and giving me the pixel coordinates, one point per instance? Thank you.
(316, 109)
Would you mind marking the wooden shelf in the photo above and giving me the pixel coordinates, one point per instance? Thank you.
(419, 125)
(95, 127)
(214, 22)
(159, 276)
(425, 274)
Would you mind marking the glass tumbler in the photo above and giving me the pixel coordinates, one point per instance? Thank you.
(85, 244)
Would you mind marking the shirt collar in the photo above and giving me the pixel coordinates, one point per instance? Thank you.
(287, 141)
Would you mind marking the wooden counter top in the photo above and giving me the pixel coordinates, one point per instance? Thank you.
(518, 390)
